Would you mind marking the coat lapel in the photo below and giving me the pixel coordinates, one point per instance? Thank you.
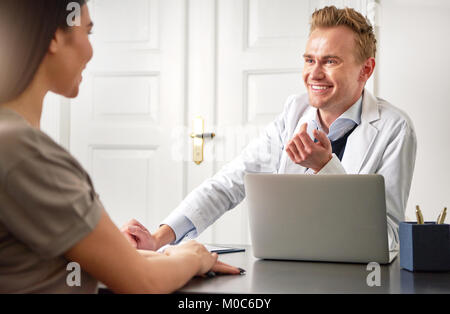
(362, 138)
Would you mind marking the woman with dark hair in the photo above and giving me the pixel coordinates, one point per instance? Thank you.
(50, 214)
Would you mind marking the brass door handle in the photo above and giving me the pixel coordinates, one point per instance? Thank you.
(198, 139)
(203, 135)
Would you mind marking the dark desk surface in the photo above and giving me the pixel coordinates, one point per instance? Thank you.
(269, 276)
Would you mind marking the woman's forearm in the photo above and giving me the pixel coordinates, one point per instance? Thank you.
(166, 274)
(107, 256)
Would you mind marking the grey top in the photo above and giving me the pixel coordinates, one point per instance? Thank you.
(288, 277)
(47, 205)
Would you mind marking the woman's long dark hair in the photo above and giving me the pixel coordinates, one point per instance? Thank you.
(26, 30)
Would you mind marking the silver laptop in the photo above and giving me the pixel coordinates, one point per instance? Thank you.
(330, 218)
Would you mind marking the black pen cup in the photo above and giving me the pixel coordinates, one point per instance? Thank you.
(424, 247)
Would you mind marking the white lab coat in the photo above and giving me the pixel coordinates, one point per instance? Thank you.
(384, 143)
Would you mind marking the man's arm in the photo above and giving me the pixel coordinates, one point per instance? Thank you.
(397, 168)
(205, 204)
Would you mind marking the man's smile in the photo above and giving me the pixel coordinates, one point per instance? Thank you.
(320, 88)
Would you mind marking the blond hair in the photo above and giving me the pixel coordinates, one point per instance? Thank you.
(366, 43)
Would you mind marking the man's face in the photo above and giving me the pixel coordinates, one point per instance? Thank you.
(331, 73)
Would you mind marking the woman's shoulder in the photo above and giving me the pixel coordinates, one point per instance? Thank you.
(19, 141)
(15, 133)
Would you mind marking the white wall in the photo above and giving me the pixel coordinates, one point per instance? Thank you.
(414, 74)
(55, 119)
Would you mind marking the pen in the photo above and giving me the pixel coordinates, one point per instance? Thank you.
(441, 217)
(419, 215)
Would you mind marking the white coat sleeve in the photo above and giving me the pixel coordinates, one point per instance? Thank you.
(333, 166)
(205, 204)
(397, 167)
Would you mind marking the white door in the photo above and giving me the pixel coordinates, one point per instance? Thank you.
(160, 63)
(132, 97)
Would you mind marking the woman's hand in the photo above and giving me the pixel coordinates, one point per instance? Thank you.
(207, 261)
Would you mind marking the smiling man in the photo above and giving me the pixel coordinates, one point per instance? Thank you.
(338, 127)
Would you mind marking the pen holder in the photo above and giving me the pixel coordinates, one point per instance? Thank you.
(424, 247)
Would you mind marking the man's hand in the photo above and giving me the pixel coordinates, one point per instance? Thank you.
(303, 151)
(138, 236)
